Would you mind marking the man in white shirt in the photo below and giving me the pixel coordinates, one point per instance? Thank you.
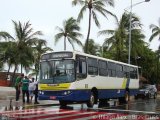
(32, 87)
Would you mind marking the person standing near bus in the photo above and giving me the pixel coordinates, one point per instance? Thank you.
(25, 91)
(36, 93)
(18, 85)
(31, 89)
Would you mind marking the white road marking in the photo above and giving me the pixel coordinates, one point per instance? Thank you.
(58, 117)
(99, 116)
(120, 110)
(45, 114)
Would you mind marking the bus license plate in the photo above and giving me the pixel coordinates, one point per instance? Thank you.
(52, 97)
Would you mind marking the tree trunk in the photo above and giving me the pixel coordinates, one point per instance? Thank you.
(36, 69)
(157, 69)
(13, 75)
(64, 43)
(89, 28)
(21, 68)
(8, 70)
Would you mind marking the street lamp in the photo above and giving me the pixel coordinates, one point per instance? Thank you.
(130, 25)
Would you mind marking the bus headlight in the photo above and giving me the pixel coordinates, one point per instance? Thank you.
(67, 92)
(41, 92)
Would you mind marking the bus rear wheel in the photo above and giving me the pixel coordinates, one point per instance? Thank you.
(62, 103)
(91, 101)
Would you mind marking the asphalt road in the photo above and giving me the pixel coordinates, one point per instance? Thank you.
(146, 109)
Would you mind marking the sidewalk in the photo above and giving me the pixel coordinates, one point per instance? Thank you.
(6, 92)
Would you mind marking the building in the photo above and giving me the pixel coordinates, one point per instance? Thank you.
(6, 78)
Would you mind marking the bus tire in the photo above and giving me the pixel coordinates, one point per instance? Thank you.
(62, 103)
(91, 101)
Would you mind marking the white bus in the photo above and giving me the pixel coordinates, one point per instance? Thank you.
(78, 77)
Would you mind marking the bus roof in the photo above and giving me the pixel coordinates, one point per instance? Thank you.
(93, 56)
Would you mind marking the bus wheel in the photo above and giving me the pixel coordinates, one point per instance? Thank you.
(91, 101)
(62, 103)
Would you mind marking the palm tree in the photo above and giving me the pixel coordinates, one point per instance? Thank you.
(24, 38)
(138, 44)
(5, 35)
(7, 49)
(93, 6)
(157, 64)
(69, 31)
(39, 49)
(93, 48)
(117, 42)
(155, 31)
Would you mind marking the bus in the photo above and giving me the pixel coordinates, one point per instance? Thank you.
(72, 77)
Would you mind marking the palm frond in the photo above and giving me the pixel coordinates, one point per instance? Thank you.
(153, 36)
(80, 16)
(6, 35)
(109, 2)
(75, 2)
(95, 19)
(106, 32)
(71, 42)
(59, 29)
(58, 36)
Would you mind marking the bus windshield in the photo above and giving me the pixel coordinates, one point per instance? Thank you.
(57, 71)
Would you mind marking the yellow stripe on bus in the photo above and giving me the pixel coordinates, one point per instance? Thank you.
(124, 83)
(62, 86)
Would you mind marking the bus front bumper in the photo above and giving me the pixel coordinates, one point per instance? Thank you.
(68, 95)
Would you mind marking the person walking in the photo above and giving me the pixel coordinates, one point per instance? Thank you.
(25, 85)
(18, 85)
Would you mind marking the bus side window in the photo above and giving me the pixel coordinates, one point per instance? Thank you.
(92, 66)
(81, 68)
(126, 71)
(112, 69)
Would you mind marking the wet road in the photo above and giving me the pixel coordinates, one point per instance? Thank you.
(135, 110)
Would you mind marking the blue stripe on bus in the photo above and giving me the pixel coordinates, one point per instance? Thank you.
(83, 95)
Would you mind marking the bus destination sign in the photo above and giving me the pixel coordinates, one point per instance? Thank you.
(57, 55)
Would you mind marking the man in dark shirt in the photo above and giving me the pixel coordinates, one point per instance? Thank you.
(25, 85)
(36, 93)
(18, 85)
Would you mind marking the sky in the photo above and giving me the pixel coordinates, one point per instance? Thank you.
(45, 15)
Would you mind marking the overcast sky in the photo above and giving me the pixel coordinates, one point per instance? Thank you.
(45, 15)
